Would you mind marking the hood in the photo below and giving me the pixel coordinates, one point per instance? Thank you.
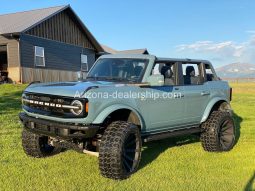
(68, 89)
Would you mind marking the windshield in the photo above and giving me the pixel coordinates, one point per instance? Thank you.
(118, 69)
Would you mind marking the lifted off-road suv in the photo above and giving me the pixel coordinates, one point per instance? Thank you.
(127, 100)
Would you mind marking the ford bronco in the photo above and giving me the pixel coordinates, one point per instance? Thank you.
(124, 101)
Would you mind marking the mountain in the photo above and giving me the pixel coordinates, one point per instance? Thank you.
(236, 70)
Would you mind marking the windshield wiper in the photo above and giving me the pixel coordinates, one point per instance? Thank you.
(115, 78)
(112, 78)
(106, 78)
(93, 77)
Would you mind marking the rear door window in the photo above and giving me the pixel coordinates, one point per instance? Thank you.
(191, 74)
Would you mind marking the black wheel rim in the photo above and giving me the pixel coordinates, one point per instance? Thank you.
(226, 134)
(44, 145)
(130, 153)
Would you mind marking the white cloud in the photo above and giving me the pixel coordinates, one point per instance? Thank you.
(250, 31)
(227, 47)
(227, 50)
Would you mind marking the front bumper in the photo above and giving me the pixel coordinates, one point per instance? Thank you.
(57, 129)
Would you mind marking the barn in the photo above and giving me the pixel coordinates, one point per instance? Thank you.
(50, 44)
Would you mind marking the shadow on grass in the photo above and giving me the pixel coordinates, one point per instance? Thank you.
(10, 101)
(249, 185)
(153, 149)
(238, 120)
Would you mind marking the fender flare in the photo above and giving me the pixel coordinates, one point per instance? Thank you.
(108, 110)
(210, 106)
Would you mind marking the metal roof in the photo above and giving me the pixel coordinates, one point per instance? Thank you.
(133, 51)
(22, 21)
(108, 49)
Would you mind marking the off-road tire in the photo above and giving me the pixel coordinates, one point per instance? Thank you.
(218, 132)
(37, 146)
(120, 150)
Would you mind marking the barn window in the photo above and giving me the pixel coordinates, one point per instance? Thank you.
(84, 62)
(39, 56)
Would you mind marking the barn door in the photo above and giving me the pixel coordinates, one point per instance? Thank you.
(3, 64)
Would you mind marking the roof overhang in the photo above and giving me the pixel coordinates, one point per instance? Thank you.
(11, 35)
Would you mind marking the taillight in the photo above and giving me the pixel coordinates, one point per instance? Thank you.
(230, 94)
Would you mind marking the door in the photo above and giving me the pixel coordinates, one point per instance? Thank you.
(196, 92)
(163, 105)
(3, 64)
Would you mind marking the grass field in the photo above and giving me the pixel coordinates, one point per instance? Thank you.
(172, 164)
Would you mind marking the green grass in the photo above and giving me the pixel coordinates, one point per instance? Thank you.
(172, 164)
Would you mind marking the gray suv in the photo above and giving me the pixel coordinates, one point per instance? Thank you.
(125, 101)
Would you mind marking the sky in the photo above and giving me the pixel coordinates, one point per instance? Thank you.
(222, 31)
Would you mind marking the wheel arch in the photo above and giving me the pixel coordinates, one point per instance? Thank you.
(120, 112)
(216, 104)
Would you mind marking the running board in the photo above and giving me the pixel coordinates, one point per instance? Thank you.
(173, 133)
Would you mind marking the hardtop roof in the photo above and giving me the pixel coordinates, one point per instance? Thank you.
(183, 60)
(157, 59)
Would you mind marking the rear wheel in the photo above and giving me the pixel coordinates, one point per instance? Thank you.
(120, 150)
(218, 132)
(37, 146)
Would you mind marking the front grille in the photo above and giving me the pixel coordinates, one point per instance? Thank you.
(51, 105)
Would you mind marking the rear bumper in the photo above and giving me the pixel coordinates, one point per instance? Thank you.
(56, 129)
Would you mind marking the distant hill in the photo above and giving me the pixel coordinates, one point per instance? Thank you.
(236, 70)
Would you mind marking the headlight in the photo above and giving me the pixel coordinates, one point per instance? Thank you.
(79, 106)
(23, 99)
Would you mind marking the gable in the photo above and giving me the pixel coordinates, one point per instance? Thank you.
(64, 28)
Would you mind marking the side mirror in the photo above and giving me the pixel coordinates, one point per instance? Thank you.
(156, 80)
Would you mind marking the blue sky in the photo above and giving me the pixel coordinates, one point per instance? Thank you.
(222, 31)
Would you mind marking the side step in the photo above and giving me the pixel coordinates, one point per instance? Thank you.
(173, 133)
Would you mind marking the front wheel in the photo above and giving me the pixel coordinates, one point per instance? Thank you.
(37, 146)
(218, 132)
(120, 150)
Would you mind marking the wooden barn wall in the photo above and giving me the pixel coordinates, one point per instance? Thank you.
(61, 57)
(63, 28)
(47, 75)
(13, 57)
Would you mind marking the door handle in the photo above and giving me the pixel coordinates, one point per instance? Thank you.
(205, 93)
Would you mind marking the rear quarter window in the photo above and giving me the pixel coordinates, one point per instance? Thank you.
(210, 75)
